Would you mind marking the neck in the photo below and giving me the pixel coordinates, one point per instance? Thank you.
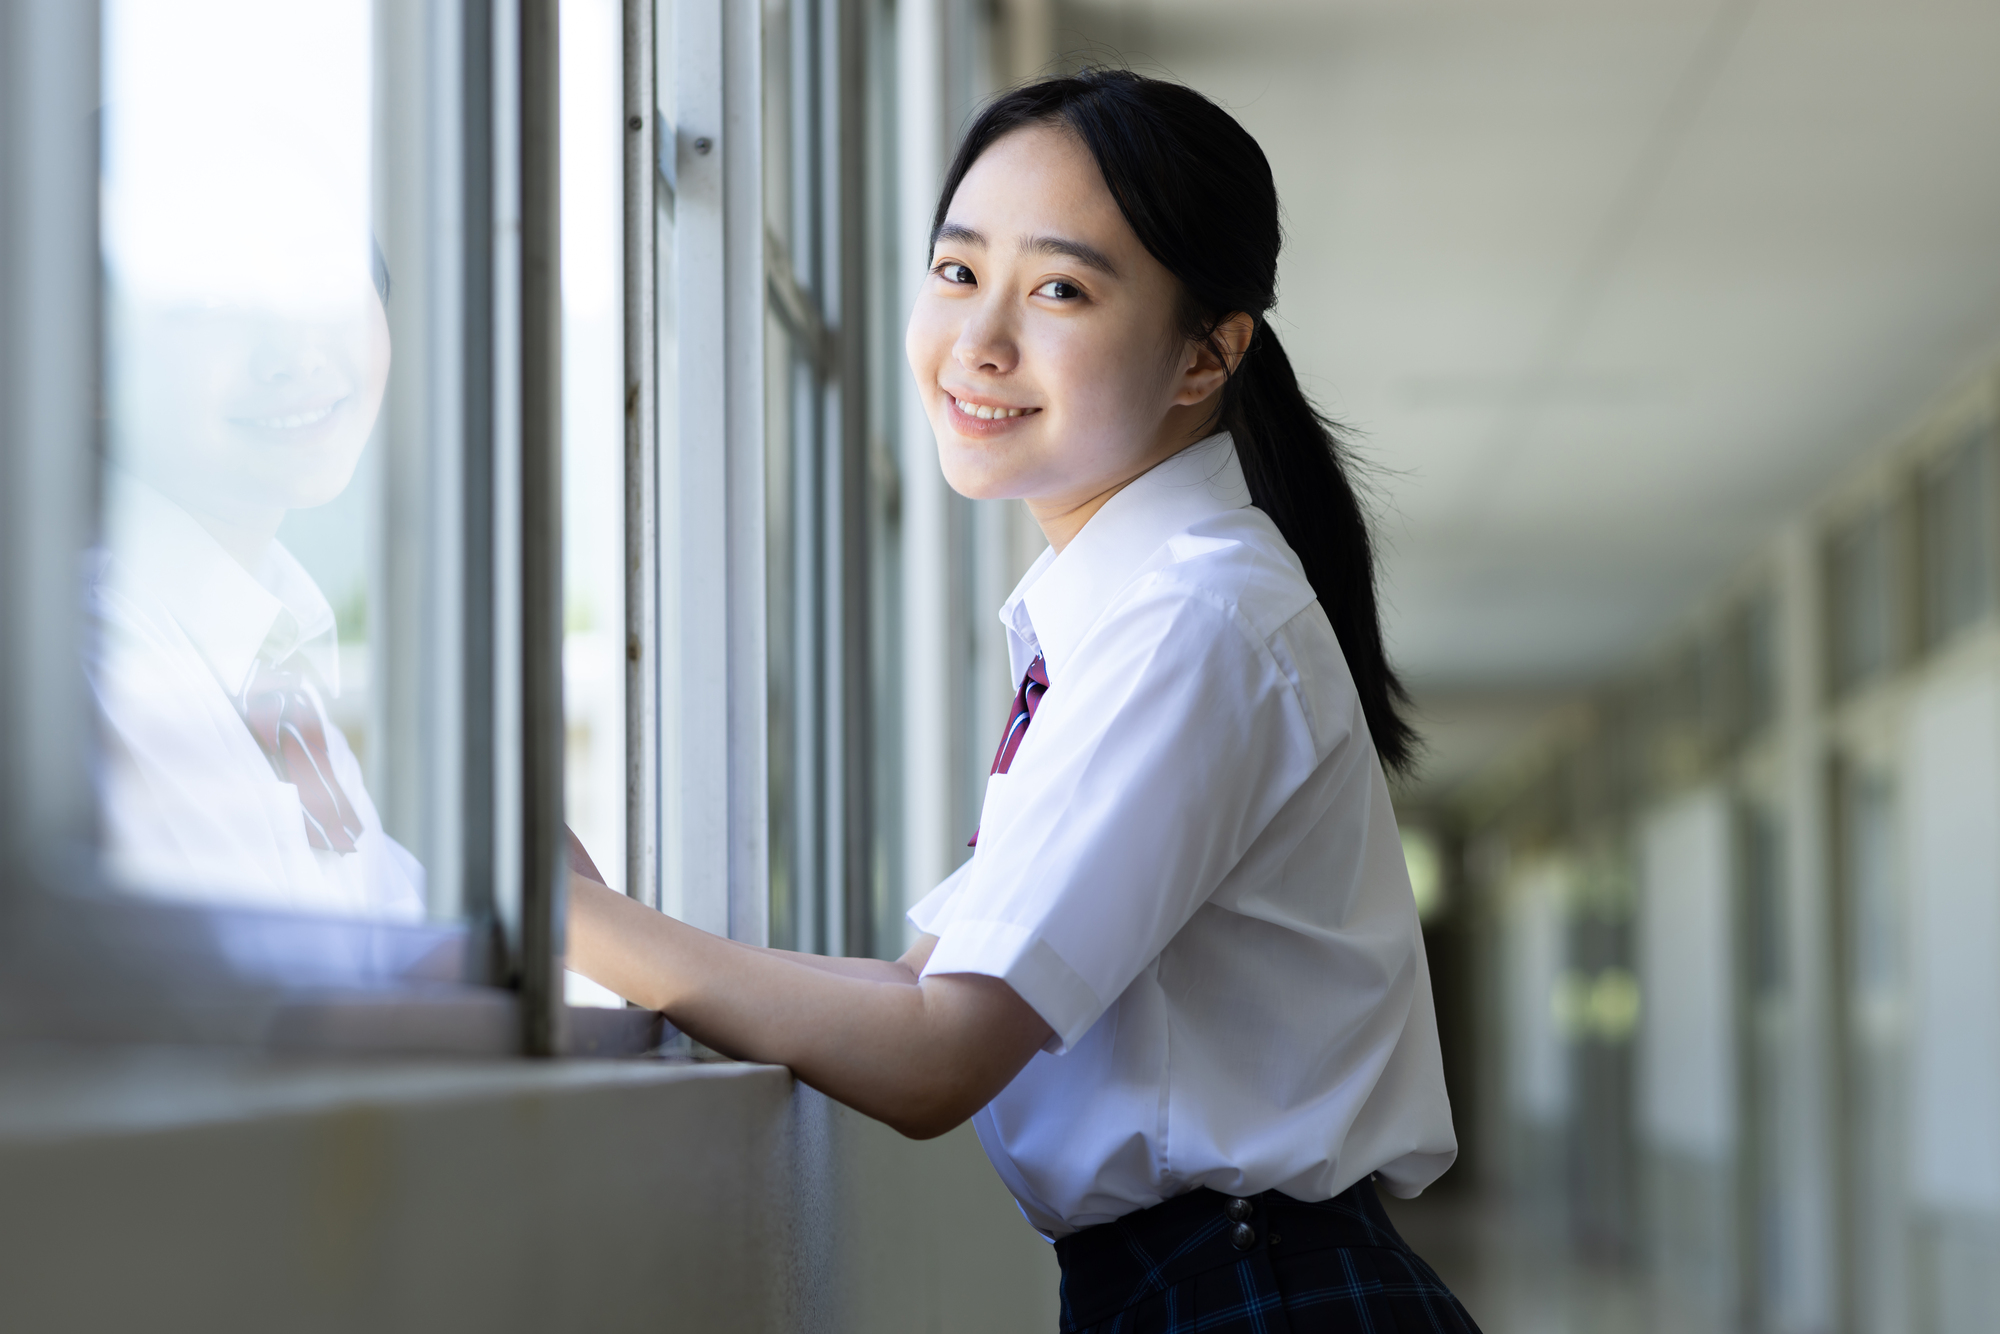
(1062, 517)
(1061, 520)
(245, 535)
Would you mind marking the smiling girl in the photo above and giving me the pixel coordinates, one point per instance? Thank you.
(1179, 988)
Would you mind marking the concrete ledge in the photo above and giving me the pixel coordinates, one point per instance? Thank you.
(186, 1190)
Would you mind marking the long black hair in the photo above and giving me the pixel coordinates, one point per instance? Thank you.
(1197, 190)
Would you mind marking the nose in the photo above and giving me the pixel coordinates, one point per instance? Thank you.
(290, 354)
(986, 342)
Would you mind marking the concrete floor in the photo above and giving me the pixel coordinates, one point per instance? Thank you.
(1517, 1274)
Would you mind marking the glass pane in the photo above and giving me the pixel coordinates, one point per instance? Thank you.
(1760, 661)
(780, 100)
(667, 358)
(593, 442)
(1764, 879)
(251, 338)
(1877, 1066)
(1862, 607)
(783, 601)
(1956, 526)
(790, 638)
(887, 929)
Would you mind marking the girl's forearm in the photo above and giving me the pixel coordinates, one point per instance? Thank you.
(873, 970)
(921, 1056)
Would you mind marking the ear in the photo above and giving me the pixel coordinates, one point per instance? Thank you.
(1214, 361)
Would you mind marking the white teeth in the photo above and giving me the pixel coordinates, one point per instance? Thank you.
(295, 420)
(985, 413)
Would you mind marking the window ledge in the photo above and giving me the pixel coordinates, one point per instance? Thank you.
(54, 1093)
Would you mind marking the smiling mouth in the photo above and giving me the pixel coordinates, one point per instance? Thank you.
(984, 413)
(295, 421)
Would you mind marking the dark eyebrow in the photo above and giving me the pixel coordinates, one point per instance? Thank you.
(959, 232)
(1083, 254)
(1089, 255)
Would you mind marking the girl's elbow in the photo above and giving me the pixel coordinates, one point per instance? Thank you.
(932, 1113)
(925, 1127)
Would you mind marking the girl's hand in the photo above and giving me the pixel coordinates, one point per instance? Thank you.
(921, 1054)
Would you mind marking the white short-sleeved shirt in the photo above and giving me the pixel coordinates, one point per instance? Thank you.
(192, 809)
(1193, 873)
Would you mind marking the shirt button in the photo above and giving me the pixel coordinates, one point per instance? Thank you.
(1238, 1210)
(1243, 1236)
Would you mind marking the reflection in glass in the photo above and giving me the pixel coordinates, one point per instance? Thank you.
(247, 355)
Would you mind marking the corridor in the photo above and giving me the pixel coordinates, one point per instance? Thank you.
(492, 421)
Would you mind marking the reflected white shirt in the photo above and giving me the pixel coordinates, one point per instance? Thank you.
(191, 806)
(1193, 873)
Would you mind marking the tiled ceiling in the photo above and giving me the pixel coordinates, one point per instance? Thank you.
(1606, 287)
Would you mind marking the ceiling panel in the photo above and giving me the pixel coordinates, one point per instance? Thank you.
(1606, 289)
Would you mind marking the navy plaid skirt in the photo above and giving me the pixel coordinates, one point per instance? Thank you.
(1264, 1265)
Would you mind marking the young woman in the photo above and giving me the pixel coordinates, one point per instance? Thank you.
(1179, 987)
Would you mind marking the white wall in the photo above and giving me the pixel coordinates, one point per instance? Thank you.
(1538, 1087)
(1687, 1049)
(170, 1191)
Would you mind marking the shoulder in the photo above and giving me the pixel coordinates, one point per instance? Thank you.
(1230, 590)
(1234, 567)
(1238, 561)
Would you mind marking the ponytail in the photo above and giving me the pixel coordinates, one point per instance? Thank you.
(1292, 459)
(1197, 191)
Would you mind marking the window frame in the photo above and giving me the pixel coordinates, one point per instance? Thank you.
(478, 719)
(79, 959)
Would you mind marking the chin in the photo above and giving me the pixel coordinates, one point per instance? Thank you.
(320, 486)
(976, 474)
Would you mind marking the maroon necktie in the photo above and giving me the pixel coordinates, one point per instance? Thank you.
(286, 723)
(1026, 700)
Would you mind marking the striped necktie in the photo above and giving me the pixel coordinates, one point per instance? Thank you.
(282, 715)
(1026, 700)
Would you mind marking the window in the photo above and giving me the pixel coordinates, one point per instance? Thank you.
(1746, 668)
(1956, 519)
(1759, 630)
(1872, 1016)
(593, 480)
(249, 657)
(1873, 967)
(427, 525)
(816, 477)
(1862, 603)
(316, 760)
(1765, 927)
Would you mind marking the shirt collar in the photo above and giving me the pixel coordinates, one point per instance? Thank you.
(232, 617)
(1061, 596)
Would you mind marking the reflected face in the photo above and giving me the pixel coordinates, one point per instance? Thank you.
(243, 412)
(1045, 340)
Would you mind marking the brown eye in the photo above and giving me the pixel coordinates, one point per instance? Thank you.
(956, 273)
(1058, 290)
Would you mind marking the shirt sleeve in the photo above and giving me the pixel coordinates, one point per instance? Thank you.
(933, 910)
(1152, 765)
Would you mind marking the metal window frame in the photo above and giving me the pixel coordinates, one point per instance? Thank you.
(78, 958)
(48, 437)
(695, 564)
(698, 721)
(816, 288)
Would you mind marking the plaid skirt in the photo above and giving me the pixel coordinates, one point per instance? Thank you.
(1268, 1264)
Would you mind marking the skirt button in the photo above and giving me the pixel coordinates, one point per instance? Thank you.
(1243, 1236)
(1238, 1210)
